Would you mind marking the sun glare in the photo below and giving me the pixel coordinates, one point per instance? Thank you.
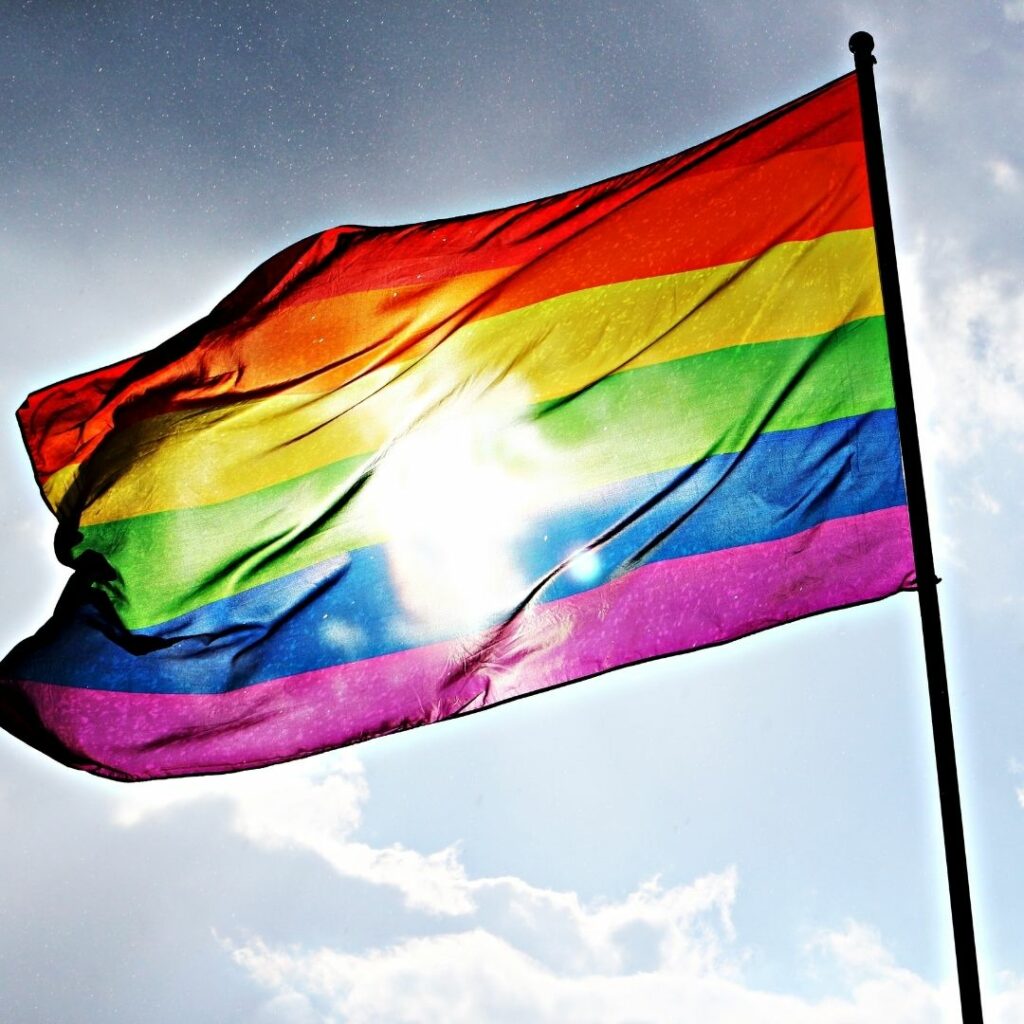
(453, 495)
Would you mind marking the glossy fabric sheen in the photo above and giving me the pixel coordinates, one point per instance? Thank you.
(404, 473)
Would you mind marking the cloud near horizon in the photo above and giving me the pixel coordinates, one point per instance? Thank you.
(501, 949)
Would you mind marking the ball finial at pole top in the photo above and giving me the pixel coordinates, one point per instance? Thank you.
(861, 43)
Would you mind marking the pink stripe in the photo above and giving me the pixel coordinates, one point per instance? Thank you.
(662, 608)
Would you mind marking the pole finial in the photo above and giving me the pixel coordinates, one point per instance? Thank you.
(861, 44)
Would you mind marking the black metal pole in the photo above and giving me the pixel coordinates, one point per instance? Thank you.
(861, 46)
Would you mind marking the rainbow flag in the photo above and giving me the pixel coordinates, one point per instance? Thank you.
(405, 473)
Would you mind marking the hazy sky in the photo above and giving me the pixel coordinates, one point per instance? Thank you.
(749, 833)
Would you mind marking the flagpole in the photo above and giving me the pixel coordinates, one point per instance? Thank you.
(861, 46)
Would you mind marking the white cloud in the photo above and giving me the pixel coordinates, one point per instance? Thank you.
(925, 89)
(984, 501)
(964, 327)
(856, 948)
(476, 975)
(316, 805)
(312, 805)
(1006, 1006)
(1003, 173)
(650, 925)
(1014, 10)
(517, 952)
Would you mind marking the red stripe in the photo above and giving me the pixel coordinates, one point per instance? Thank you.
(360, 259)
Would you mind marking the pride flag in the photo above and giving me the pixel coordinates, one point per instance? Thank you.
(405, 473)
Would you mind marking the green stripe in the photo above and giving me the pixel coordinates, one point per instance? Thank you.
(629, 424)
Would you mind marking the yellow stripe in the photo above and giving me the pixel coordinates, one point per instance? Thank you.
(544, 351)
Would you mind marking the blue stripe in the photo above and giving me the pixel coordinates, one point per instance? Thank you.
(348, 609)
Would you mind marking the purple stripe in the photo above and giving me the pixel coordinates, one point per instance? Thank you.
(662, 608)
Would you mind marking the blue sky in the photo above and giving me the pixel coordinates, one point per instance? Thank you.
(747, 833)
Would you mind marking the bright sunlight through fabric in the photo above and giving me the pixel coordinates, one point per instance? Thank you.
(405, 473)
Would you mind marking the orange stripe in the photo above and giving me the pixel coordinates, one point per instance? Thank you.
(323, 345)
